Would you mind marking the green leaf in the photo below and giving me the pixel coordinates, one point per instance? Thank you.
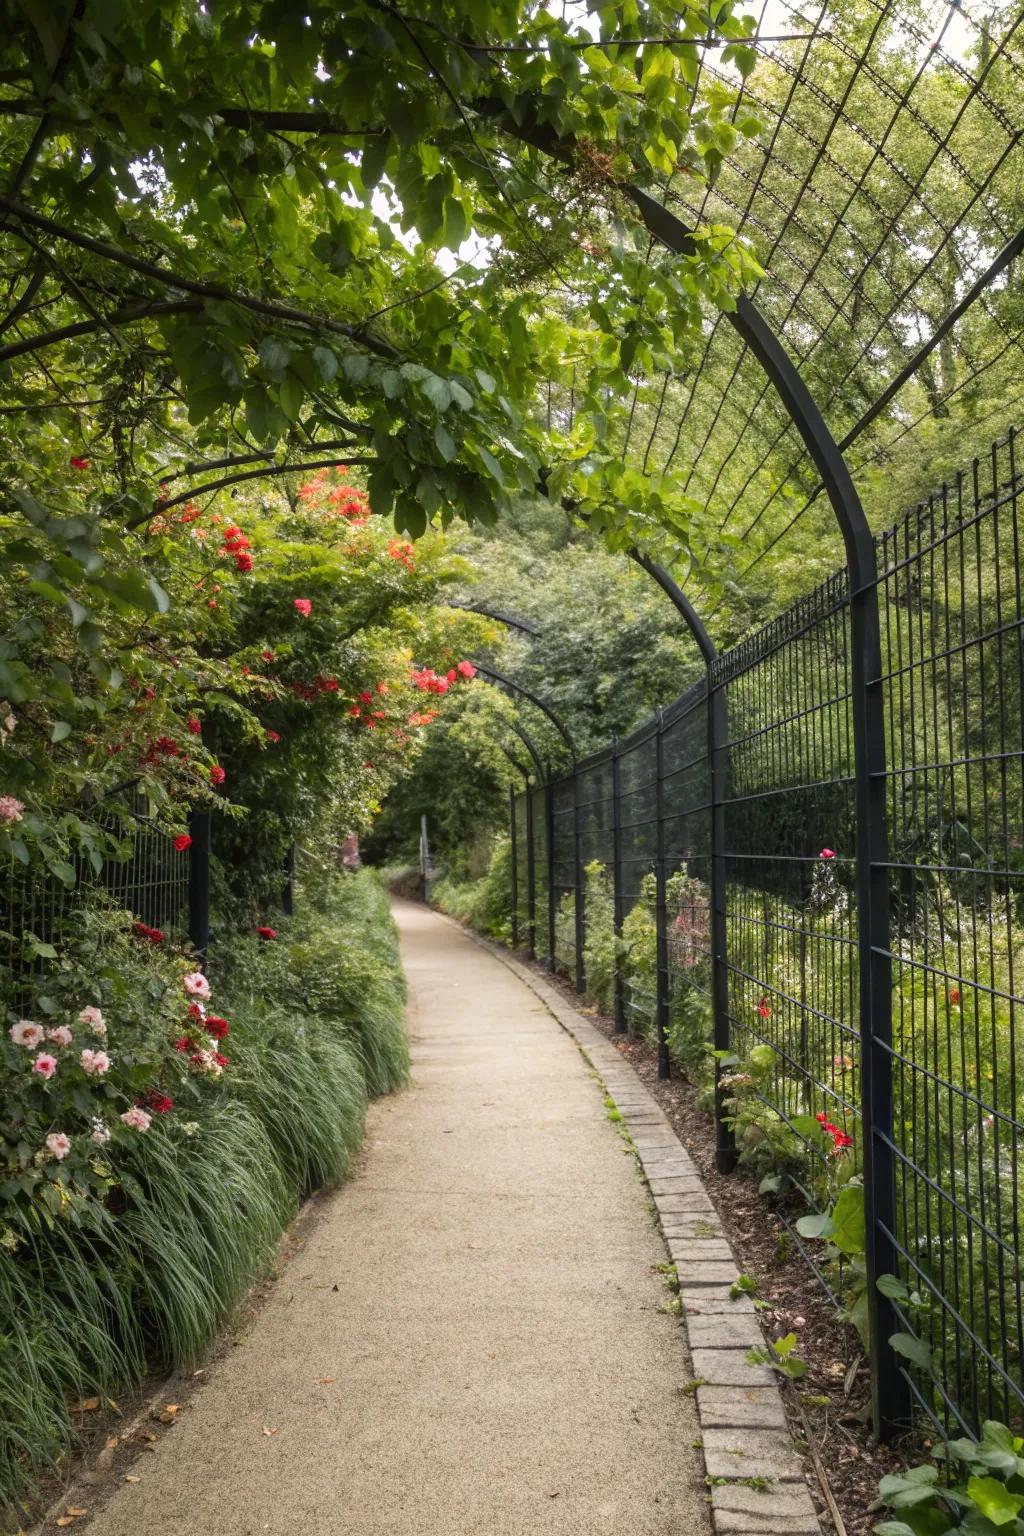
(893, 1287)
(995, 1500)
(912, 1349)
(437, 391)
(446, 445)
(849, 1234)
(818, 1225)
(61, 729)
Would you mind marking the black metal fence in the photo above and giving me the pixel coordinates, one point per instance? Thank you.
(708, 878)
(161, 886)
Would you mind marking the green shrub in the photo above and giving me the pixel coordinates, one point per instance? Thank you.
(128, 1256)
(485, 904)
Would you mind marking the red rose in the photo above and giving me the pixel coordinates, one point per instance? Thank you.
(826, 853)
(194, 725)
(216, 1026)
(452, 674)
(467, 670)
(183, 1045)
(243, 563)
(267, 933)
(274, 736)
(80, 463)
(182, 841)
(222, 1061)
(267, 655)
(355, 710)
(217, 774)
(195, 1011)
(304, 606)
(159, 1103)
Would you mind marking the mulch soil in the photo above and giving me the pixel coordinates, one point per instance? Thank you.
(828, 1407)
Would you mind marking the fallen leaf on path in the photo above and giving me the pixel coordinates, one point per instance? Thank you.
(269, 1432)
(322, 1381)
(130, 1477)
(167, 1414)
(84, 1405)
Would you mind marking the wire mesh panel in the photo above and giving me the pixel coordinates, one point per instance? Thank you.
(791, 932)
(638, 823)
(538, 804)
(686, 810)
(563, 831)
(151, 882)
(954, 687)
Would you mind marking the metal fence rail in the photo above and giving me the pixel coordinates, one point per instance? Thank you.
(751, 870)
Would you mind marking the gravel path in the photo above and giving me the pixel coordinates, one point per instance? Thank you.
(469, 1340)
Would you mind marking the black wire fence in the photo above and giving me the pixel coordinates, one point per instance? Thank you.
(163, 888)
(705, 879)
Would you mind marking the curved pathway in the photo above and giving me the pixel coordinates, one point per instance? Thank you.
(469, 1340)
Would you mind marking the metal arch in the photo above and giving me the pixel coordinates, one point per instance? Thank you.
(506, 682)
(671, 587)
(526, 626)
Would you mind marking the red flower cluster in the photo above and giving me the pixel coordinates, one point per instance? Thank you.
(267, 933)
(827, 853)
(422, 717)
(194, 725)
(144, 931)
(304, 606)
(274, 736)
(164, 746)
(217, 774)
(764, 1008)
(840, 1140)
(155, 1101)
(402, 551)
(427, 680)
(320, 684)
(181, 842)
(80, 463)
(341, 500)
(216, 1026)
(237, 545)
(954, 997)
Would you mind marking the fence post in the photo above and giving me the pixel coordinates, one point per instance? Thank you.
(199, 883)
(288, 890)
(718, 755)
(890, 1388)
(660, 908)
(515, 864)
(549, 840)
(580, 909)
(531, 878)
(618, 896)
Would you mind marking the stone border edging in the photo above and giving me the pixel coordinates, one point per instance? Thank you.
(756, 1476)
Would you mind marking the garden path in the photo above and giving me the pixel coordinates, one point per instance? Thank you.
(468, 1340)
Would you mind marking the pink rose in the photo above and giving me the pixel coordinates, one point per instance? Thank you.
(26, 1033)
(96, 1063)
(94, 1018)
(45, 1065)
(61, 1035)
(10, 809)
(196, 984)
(137, 1118)
(58, 1145)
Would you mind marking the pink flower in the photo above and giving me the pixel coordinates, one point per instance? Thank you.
(58, 1145)
(467, 670)
(94, 1018)
(26, 1033)
(196, 984)
(45, 1065)
(60, 1036)
(303, 606)
(100, 1134)
(95, 1063)
(827, 853)
(137, 1119)
(10, 809)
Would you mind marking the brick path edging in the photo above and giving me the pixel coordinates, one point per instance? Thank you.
(755, 1475)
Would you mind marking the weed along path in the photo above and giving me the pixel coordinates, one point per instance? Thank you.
(469, 1341)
